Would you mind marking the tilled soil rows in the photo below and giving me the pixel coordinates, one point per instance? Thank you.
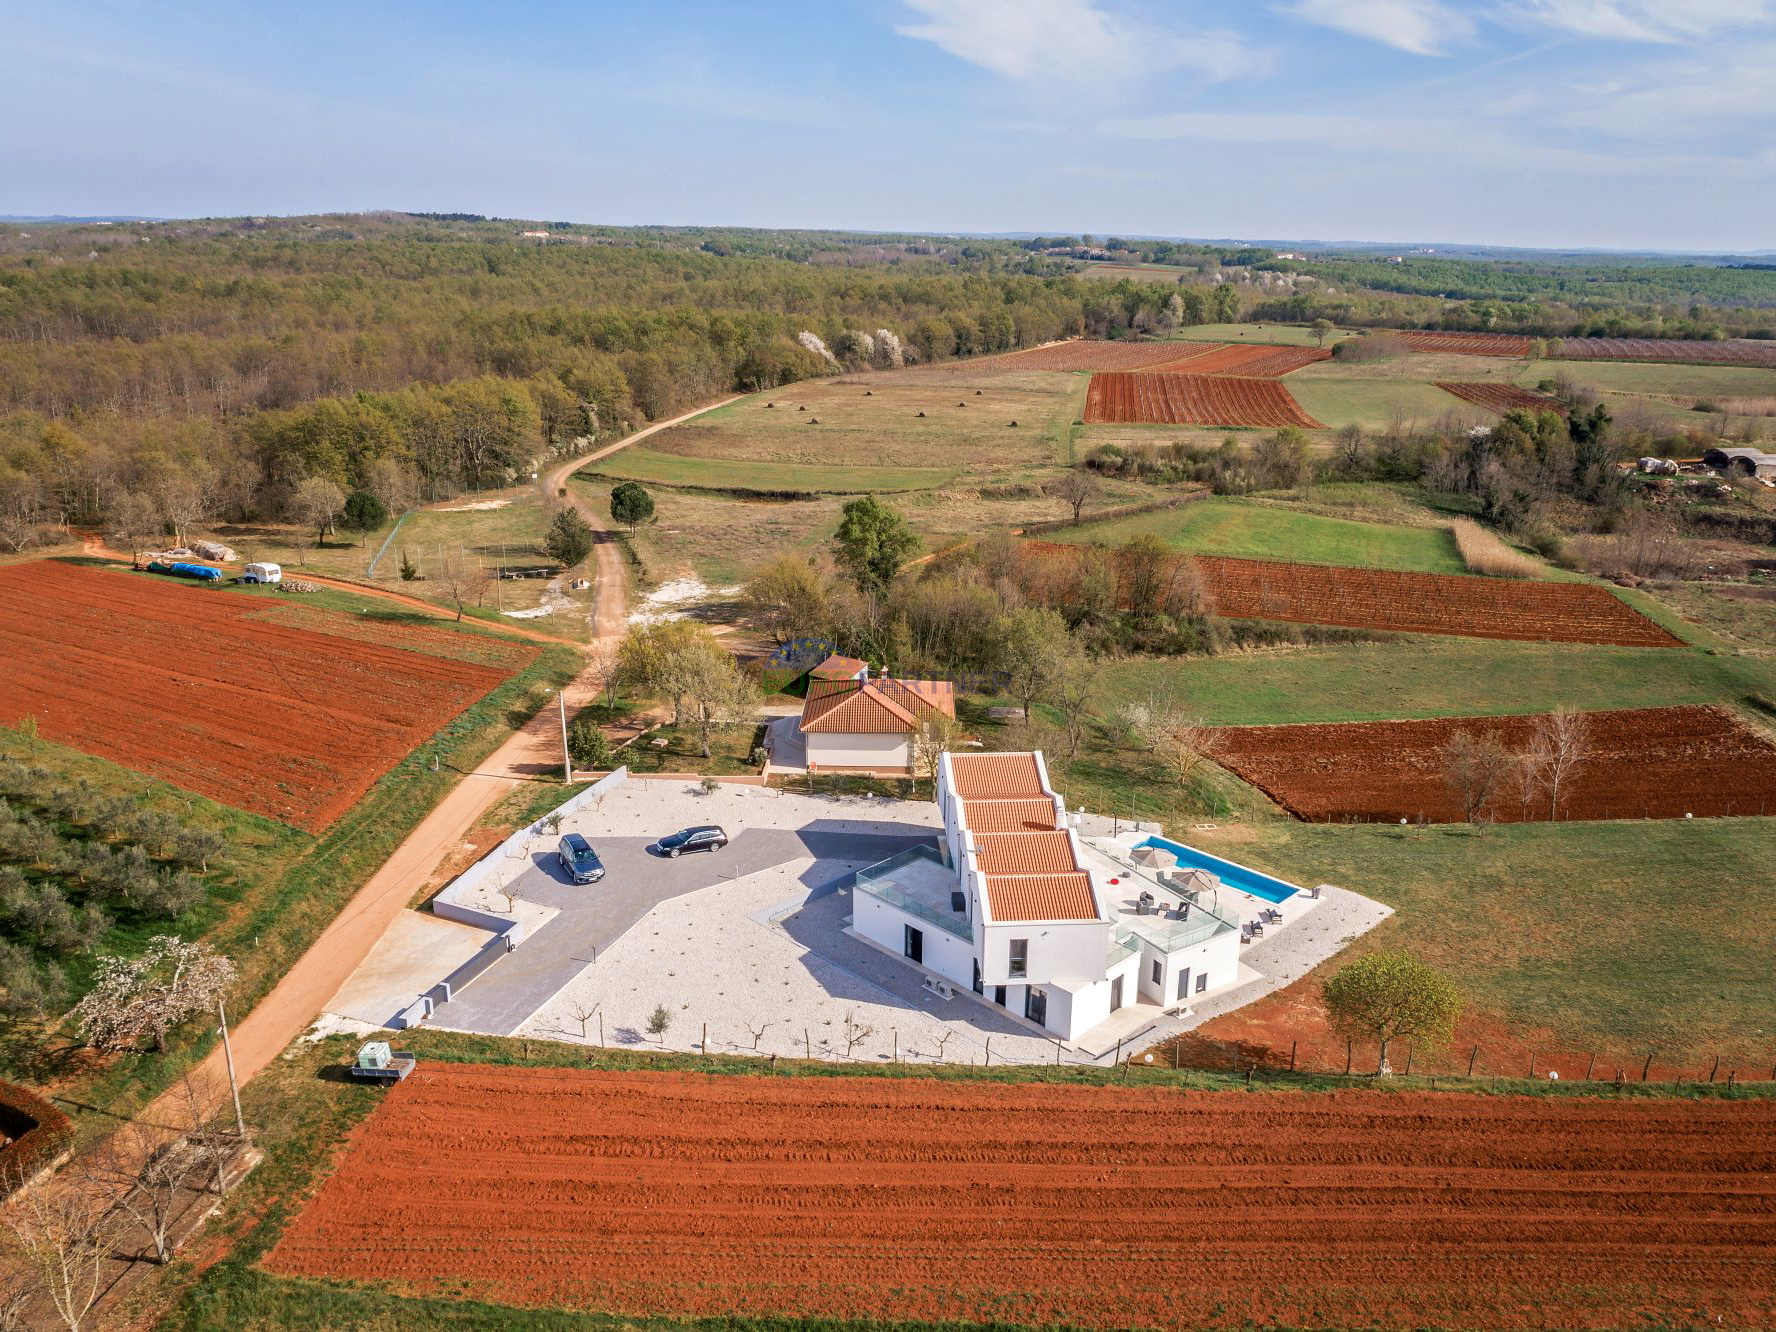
(188, 683)
(1255, 361)
(909, 1199)
(1501, 398)
(1463, 605)
(1736, 351)
(1661, 763)
(1174, 399)
(1465, 344)
(1426, 603)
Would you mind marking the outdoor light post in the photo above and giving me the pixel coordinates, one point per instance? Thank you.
(567, 770)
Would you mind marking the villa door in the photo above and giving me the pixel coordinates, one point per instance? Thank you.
(1184, 982)
(1116, 994)
(978, 987)
(915, 944)
(1036, 1006)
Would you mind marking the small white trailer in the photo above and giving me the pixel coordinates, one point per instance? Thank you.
(262, 573)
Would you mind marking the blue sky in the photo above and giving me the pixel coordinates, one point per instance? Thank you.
(1606, 123)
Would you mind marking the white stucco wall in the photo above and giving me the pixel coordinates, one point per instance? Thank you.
(858, 751)
(1217, 958)
(1065, 951)
(885, 926)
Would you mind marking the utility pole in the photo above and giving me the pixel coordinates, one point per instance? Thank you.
(567, 771)
(240, 1123)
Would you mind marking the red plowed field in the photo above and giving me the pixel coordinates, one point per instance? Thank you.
(1418, 603)
(1423, 603)
(1106, 1207)
(1741, 351)
(1255, 362)
(1501, 398)
(188, 683)
(1108, 355)
(1172, 399)
(1466, 344)
(1660, 763)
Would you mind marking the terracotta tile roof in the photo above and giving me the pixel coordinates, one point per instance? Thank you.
(875, 707)
(846, 707)
(996, 776)
(1004, 816)
(1031, 897)
(919, 696)
(839, 668)
(1025, 853)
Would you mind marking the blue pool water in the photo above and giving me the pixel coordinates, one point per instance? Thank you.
(1234, 876)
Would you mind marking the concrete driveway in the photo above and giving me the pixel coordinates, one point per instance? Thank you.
(593, 916)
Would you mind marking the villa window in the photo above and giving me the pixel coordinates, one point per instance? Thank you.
(1020, 958)
(1158, 971)
(1202, 981)
(958, 902)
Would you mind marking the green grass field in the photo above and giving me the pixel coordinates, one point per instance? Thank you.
(1417, 677)
(1677, 381)
(1627, 938)
(1256, 531)
(719, 474)
(1375, 403)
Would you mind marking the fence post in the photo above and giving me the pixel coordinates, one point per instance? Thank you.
(1177, 1044)
(1057, 1054)
(1292, 1045)
(1472, 1056)
(1532, 1063)
(1236, 1056)
(1408, 1072)
(896, 1032)
(1646, 1068)
(1590, 1067)
(1349, 1047)
(1118, 1059)
(1732, 1077)
(807, 1043)
(706, 1040)
(989, 1062)
(1715, 1069)
(1248, 1077)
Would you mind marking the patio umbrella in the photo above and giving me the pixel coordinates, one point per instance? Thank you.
(1195, 881)
(1153, 857)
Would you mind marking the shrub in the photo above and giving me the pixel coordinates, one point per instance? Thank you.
(1485, 553)
(587, 744)
(40, 1134)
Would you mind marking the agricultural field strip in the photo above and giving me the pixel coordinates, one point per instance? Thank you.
(1652, 350)
(700, 473)
(1403, 601)
(1254, 361)
(193, 687)
(1499, 397)
(682, 1195)
(1644, 763)
(1183, 399)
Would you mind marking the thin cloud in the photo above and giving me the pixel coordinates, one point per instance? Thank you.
(1075, 42)
(1668, 21)
(1421, 27)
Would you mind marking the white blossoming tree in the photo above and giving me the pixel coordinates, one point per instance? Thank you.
(145, 997)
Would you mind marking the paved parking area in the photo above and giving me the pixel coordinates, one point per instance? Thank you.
(594, 916)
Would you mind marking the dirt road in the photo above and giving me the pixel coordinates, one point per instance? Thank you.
(531, 753)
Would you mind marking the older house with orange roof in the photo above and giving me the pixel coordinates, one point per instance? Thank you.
(854, 723)
(1017, 908)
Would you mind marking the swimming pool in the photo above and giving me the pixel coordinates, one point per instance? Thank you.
(1234, 876)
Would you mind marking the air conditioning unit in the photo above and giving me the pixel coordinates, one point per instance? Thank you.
(941, 988)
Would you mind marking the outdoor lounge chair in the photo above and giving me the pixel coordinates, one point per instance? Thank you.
(1245, 934)
(1257, 927)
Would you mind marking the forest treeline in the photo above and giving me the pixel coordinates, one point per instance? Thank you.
(229, 364)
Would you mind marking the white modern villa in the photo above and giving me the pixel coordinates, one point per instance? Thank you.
(1058, 929)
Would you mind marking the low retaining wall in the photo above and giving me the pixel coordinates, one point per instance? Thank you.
(508, 930)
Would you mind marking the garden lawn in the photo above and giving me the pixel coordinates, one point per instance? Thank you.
(1416, 677)
(1263, 532)
(1626, 938)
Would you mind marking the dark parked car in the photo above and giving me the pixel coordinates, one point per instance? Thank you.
(579, 859)
(708, 837)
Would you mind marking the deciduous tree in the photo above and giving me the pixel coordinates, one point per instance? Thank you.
(1076, 488)
(873, 542)
(1391, 996)
(144, 997)
(1476, 768)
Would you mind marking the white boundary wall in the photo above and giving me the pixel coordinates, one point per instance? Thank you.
(508, 930)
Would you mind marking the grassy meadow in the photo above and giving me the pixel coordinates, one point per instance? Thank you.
(694, 472)
(1258, 531)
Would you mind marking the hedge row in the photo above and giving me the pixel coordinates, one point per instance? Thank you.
(40, 1133)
